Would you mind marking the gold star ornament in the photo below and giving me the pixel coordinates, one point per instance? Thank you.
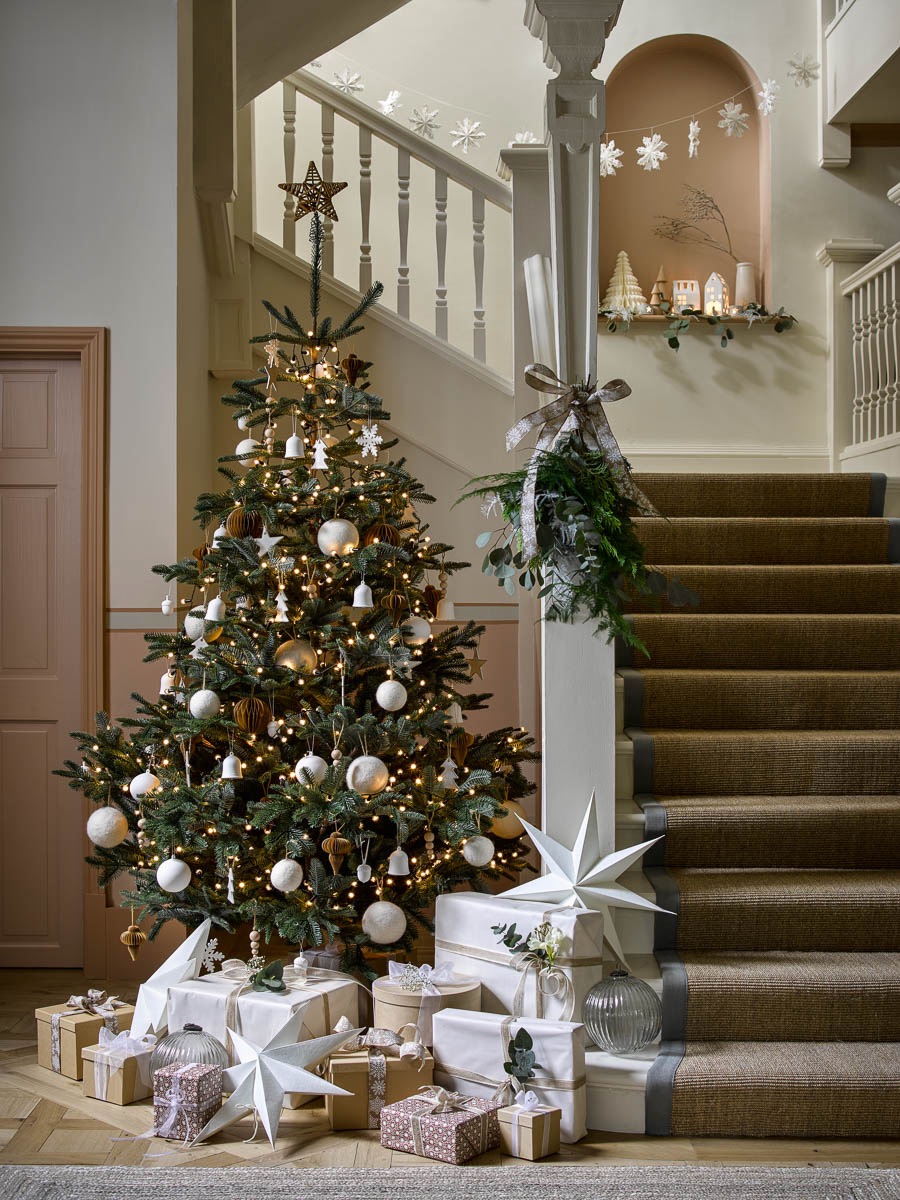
(313, 194)
(476, 666)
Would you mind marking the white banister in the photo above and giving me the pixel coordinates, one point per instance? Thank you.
(365, 205)
(328, 174)
(440, 239)
(403, 228)
(479, 343)
(289, 105)
(875, 347)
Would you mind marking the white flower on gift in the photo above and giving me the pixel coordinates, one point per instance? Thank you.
(546, 940)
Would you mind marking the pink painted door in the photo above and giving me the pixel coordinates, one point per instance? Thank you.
(41, 821)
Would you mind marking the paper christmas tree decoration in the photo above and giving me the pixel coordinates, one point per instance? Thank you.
(660, 293)
(624, 295)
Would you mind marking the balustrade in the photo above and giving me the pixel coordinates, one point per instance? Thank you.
(875, 323)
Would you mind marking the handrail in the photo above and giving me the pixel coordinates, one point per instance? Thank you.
(871, 269)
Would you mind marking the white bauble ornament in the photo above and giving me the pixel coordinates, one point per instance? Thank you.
(107, 827)
(215, 610)
(416, 631)
(195, 625)
(296, 655)
(294, 448)
(391, 695)
(511, 825)
(384, 922)
(166, 605)
(286, 875)
(337, 536)
(314, 765)
(272, 729)
(205, 704)
(173, 875)
(478, 851)
(363, 872)
(142, 784)
(398, 863)
(367, 775)
(247, 449)
(232, 767)
(243, 422)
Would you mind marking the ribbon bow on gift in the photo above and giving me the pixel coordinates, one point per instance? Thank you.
(548, 981)
(115, 1048)
(422, 979)
(124, 1044)
(439, 1100)
(237, 971)
(530, 1102)
(385, 1041)
(574, 409)
(95, 1002)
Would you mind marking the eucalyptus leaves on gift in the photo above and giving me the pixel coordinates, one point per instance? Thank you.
(521, 1061)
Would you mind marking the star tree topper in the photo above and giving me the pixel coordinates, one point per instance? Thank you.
(313, 194)
(181, 965)
(584, 877)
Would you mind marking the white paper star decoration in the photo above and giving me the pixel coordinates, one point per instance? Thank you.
(369, 440)
(584, 877)
(181, 965)
(424, 121)
(525, 138)
(651, 152)
(734, 119)
(768, 97)
(467, 135)
(803, 69)
(390, 103)
(264, 1073)
(610, 158)
(693, 139)
(348, 81)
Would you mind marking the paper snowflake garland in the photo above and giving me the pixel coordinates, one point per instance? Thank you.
(369, 440)
(424, 121)
(212, 955)
(525, 138)
(693, 139)
(734, 119)
(610, 158)
(467, 135)
(348, 82)
(651, 152)
(767, 97)
(390, 103)
(803, 69)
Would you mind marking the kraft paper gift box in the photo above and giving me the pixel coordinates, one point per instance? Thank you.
(471, 1048)
(377, 1075)
(184, 1099)
(464, 940)
(417, 1126)
(411, 995)
(529, 1129)
(65, 1029)
(117, 1070)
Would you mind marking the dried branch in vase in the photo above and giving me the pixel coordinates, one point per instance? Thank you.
(698, 208)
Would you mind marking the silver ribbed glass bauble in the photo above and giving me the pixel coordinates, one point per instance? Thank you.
(188, 1045)
(622, 1014)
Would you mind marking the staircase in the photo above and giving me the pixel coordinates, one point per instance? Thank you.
(765, 731)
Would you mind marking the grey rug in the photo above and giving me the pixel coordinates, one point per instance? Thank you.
(533, 1182)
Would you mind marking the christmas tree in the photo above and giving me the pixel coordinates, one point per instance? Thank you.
(623, 294)
(307, 766)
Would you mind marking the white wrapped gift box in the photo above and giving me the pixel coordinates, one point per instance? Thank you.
(212, 1002)
(465, 940)
(470, 1049)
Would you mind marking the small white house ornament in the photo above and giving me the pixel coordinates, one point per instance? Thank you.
(715, 296)
(685, 294)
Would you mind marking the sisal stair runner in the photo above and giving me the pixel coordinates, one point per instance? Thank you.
(766, 732)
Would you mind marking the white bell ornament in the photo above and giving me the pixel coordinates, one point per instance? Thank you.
(215, 610)
(107, 827)
(166, 683)
(478, 851)
(220, 533)
(247, 449)
(362, 596)
(142, 784)
(384, 922)
(297, 655)
(337, 536)
(173, 875)
(398, 863)
(294, 448)
(367, 775)
(286, 875)
(446, 610)
(391, 695)
(205, 705)
(314, 765)
(416, 631)
(232, 767)
(195, 624)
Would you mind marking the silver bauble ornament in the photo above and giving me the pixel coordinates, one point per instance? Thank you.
(195, 624)
(247, 449)
(296, 655)
(337, 536)
(478, 851)
(107, 827)
(384, 922)
(205, 705)
(313, 765)
(142, 784)
(173, 875)
(391, 695)
(367, 775)
(286, 875)
(416, 631)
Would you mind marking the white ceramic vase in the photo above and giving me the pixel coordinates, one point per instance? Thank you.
(745, 284)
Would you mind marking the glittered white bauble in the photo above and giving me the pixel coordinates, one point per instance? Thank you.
(294, 448)
(384, 922)
(107, 827)
(313, 765)
(205, 704)
(367, 775)
(511, 825)
(478, 851)
(232, 767)
(363, 872)
(296, 655)
(391, 695)
(247, 449)
(173, 875)
(416, 631)
(195, 624)
(142, 784)
(286, 875)
(337, 536)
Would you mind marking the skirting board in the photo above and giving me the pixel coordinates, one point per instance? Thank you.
(712, 458)
(615, 1090)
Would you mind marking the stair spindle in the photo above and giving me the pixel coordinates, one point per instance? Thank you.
(440, 237)
(479, 329)
(289, 105)
(365, 204)
(328, 174)
(403, 223)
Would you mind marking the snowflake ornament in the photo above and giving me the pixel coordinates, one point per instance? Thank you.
(320, 461)
(467, 135)
(390, 103)
(610, 158)
(767, 97)
(212, 955)
(424, 121)
(525, 138)
(348, 81)
(803, 69)
(651, 152)
(693, 139)
(734, 119)
(369, 440)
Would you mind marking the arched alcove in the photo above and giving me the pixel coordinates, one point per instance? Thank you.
(674, 79)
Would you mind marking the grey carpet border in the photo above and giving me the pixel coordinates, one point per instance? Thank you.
(893, 542)
(877, 492)
(643, 759)
(633, 693)
(656, 825)
(659, 1089)
(624, 653)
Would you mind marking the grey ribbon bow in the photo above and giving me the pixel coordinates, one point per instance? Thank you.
(574, 409)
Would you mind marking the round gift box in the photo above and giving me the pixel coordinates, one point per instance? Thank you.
(396, 1006)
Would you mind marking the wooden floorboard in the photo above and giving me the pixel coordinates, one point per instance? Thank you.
(45, 1119)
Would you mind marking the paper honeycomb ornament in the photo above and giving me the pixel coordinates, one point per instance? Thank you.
(624, 295)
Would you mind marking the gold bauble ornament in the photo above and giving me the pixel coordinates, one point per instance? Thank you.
(243, 524)
(252, 715)
(509, 826)
(337, 848)
(133, 938)
(382, 532)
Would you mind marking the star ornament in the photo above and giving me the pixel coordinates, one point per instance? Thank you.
(584, 877)
(266, 544)
(314, 194)
(181, 965)
(263, 1074)
(476, 666)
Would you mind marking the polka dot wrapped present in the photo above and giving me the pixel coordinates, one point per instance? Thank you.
(442, 1125)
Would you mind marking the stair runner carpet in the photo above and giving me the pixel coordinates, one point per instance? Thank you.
(766, 731)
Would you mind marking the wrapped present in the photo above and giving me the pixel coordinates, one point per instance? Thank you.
(327, 957)
(65, 1029)
(442, 1125)
(226, 1000)
(184, 1099)
(117, 1069)
(380, 1069)
(524, 984)
(411, 995)
(470, 1050)
(528, 1128)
